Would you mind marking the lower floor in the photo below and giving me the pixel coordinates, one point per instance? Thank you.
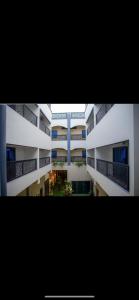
(54, 184)
(38, 188)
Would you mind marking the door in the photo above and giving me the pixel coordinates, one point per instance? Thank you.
(41, 192)
(11, 163)
(46, 186)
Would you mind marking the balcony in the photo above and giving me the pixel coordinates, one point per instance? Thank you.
(59, 116)
(16, 169)
(44, 161)
(59, 138)
(78, 115)
(44, 128)
(78, 159)
(60, 159)
(91, 162)
(117, 172)
(102, 111)
(90, 127)
(76, 137)
(25, 112)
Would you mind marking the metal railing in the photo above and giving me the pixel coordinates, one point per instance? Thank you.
(60, 138)
(102, 111)
(77, 115)
(25, 112)
(59, 159)
(91, 162)
(59, 116)
(16, 169)
(78, 159)
(44, 161)
(44, 128)
(90, 127)
(117, 172)
(77, 137)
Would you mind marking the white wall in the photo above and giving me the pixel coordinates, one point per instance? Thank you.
(59, 122)
(115, 126)
(16, 186)
(59, 144)
(110, 187)
(46, 110)
(77, 144)
(20, 131)
(77, 122)
(88, 110)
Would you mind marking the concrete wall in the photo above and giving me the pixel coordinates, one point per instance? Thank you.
(114, 127)
(77, 144)
(110, 187)
(88, 110)
(46, 110)
(77, 122)
(78, 130)
(20, 131)
(59, 122)
(59, 144)
(60, 131)
(76, 152)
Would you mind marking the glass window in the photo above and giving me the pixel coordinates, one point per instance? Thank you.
(54, 153)
(10, 154)
(120, 155)
(54, 133)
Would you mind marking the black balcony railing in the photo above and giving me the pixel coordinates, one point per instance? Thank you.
(60, 159)
(60, 138)
(78, 159)
(77, 115)
(91, 162)
(77, 137)
(44, 161)
(90, 127)
(117, 172)
(16, 169)
(44, 128)
(102, 111)
(59, 116)
(25, 112)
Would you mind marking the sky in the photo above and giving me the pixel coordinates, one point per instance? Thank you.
(56, 108)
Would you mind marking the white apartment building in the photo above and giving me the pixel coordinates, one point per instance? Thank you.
(113, 148)
(96, 150)
(28, 144)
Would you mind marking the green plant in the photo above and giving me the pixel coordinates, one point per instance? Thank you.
(58, 163)
(68, 188)
(61, 163)
(79, 163)
(55, 163)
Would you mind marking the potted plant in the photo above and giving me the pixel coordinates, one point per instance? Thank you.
(61, 163)
(68, 188)
(80, 163)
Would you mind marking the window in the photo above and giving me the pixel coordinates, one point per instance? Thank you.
(83, 134)
(10, 154)
(54, 153)
(54, 133)
(120, 155)
(81, 187)
(84, 153)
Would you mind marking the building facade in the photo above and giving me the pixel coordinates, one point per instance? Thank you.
(112, 148)
(97, 150)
